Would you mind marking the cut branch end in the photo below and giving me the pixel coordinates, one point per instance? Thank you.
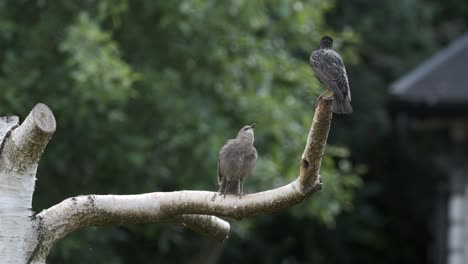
(25, 144)
(44, 118)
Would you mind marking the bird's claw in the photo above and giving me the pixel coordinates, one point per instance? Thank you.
(318, 101)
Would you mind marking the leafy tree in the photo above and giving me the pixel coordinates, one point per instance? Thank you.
(394, 209)
(145, 94)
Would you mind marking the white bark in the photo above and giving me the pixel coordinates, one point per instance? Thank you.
(20, 151)
(28, 238)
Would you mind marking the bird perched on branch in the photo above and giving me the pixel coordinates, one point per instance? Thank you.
(236, 161)
(330, 71)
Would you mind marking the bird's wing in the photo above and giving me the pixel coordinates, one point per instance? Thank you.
(250, 162)
(343, 74)
(314, 62)
(347, 84)
(222, 152)
(330, 70)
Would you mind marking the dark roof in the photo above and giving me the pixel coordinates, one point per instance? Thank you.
(438, 84)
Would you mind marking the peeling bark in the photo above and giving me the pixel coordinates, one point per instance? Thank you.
(28, 238)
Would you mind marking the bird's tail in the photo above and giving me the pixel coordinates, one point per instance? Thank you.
(342, 105)
(229, 187)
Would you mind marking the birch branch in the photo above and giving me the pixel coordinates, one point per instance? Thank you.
(96, 210)
(193, 208)
(23, 148)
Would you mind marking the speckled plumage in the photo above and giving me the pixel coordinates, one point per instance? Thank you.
(329, 69)
(236, 161)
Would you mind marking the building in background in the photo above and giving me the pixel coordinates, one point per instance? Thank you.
(429, 109)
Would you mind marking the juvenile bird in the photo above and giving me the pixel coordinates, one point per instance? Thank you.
(236, 161)
(330, 71)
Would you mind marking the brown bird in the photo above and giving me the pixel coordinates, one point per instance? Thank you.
(329, 69)
(236, 161)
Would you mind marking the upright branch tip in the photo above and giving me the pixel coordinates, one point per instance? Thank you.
(309, 178)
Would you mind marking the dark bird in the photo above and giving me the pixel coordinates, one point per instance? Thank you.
(236, 161)
(329, 69)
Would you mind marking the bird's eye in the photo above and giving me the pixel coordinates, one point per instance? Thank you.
(247, 128)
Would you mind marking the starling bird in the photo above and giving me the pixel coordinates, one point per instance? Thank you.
(330, 71)
(236, 161)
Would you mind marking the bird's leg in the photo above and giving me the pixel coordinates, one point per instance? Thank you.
(241, 188)
(328, 97)
(222, 187)
(227, 188)
(321, 96)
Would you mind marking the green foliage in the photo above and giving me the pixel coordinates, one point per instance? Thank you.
(392, 212)
(99, 76)
(146, 92)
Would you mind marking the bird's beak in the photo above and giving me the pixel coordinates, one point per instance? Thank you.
(252, 125)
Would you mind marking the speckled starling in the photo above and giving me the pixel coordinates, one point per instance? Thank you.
(236, 161)
(331, 72)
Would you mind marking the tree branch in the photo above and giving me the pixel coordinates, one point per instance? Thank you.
(207, 225)
(94, 210)
(91, 210)
(23, 148)
(191, 208)
(315, 147)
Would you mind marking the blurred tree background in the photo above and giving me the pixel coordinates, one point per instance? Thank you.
(146, 92)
